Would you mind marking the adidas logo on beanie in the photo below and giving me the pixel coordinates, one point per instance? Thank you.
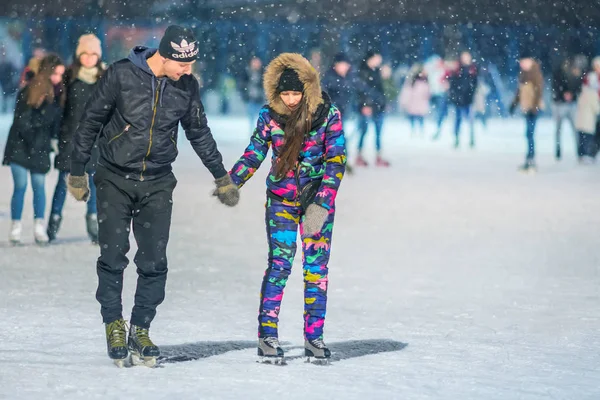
(179, 44)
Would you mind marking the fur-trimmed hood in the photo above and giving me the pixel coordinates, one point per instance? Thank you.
(307, 74)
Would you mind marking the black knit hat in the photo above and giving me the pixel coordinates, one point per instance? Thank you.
(290, 81)
(341, 57)
(179, 44)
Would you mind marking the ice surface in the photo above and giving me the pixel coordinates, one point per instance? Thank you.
(452, 277)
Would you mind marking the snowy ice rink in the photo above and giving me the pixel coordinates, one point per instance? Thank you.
(452, 277)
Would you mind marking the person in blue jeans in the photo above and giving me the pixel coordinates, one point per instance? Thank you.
(37, 117)
(81, 79)
(463, 83)
(371, 105)
(529, 98)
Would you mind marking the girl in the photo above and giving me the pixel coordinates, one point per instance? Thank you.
(415, 97)
(37, 118)
(529, 98)
(81, 80)
(307, 166)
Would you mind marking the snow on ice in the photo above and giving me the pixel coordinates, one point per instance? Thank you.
(452, 277)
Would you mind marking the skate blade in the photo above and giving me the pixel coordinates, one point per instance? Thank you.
(122, 363)
(137, 360)
(272, 360)
(42, 244)
(318, 361)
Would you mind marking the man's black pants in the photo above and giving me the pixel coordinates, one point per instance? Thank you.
(148, 204)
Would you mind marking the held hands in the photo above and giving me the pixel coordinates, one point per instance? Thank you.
(314, 220)
(78, 187)
(226, 191)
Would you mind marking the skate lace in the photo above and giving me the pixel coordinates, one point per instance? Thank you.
(143, 337)
(318, 343)
(117, 332)
(272, 342)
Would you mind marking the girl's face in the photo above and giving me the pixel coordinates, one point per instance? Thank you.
(291, 99)
(57, 74)
(88, 60)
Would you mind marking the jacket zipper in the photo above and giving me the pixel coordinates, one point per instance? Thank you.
(120, 134)
(151, 128)
(173, 140)
(297, 174)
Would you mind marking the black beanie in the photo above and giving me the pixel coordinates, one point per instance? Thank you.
(179, 44)
(289, 80)
(341, 57)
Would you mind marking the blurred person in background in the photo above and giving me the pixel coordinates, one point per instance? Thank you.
(80, 81)
(587, 113)
(371, 105)
(337, 82)
(480, 102)
(9, 83)
(437, 76)
(415, 97)
(38, 113)
(529, 99)
(463, 82)
(305, 132)
(32, 66)
(566, 85)
(390, 89)
(251, 89)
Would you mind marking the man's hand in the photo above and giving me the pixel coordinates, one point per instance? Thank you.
(367, 111)
(78, 187)
(226, 191)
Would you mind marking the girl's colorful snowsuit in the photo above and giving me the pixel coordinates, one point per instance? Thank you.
(323, 158)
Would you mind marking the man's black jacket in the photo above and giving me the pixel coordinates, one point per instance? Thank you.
(136, 116)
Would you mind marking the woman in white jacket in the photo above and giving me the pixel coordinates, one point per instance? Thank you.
(586, 116)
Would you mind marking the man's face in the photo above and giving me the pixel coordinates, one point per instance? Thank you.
(255, 64)
(375, 61)
(342, 68)
(175, 69)
(526, 64)
(466, 58)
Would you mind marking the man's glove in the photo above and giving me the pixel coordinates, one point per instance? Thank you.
(314, 219)
(79, 187)
(226, 191)
(512, 108)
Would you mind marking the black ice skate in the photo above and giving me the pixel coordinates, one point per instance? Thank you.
(316, 352)
(143, 351)
(116, 332)
(53, 226)
(270, 351)
(91, 222)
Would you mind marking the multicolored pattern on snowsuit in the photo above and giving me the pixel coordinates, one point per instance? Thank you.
(323, 157)
(283, 219)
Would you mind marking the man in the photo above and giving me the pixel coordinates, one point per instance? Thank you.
(134, 115)
(371, 104)
(463, 83)
(252, 89)
(337, 83)
(8, 83)
(566, 86)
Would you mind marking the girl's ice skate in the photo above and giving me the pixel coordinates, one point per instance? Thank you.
(270, 351)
